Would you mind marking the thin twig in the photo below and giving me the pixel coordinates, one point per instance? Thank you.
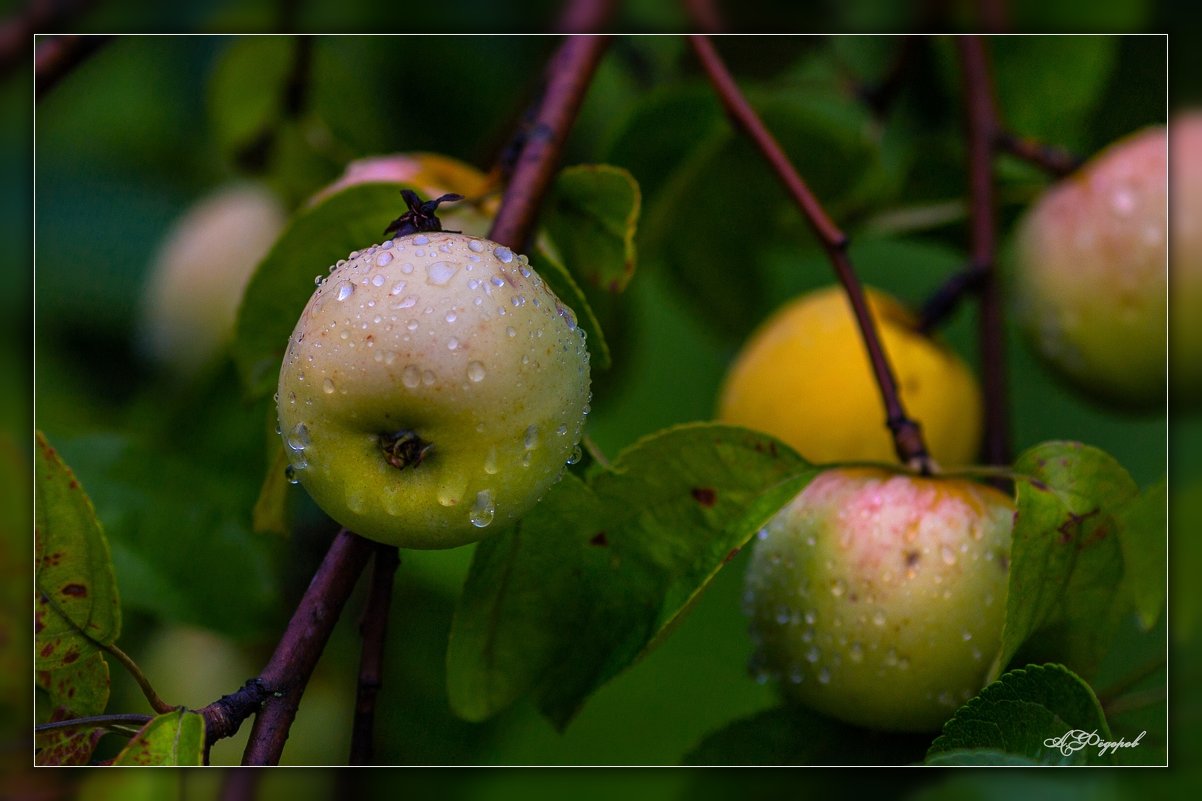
(1055, 161)
(569, 74)
(907, 435)
(296, 655)
(57, 56)
(116, 722)
(585, 16)
(940, 305)
(981, 121)
(372, 628)
(156, 703)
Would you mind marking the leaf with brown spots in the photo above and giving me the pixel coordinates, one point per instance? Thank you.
(174, 738)
(1066, 564)
(66, 746)
(82, 687)
(600, 571)
(76, 603)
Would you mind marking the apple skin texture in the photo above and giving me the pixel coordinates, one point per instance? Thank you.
(458, 340)
(878, 598)
(1090, 273)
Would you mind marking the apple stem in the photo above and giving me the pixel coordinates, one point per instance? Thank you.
(373, 627)
(569, 73)
(907, 434)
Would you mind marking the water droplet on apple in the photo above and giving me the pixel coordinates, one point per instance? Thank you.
(327, 386)
(411, 376)
(475, 371)
(503, 254)
(531, 438)
(440, 272)
(483, 510)
(345, 290)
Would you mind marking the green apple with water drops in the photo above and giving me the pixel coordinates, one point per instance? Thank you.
(877, 597)
(433, 389)
(1090, 270)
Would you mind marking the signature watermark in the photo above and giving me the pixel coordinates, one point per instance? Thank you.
(1074, 740)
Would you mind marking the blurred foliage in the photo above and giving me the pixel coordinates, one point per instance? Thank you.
(141, 130)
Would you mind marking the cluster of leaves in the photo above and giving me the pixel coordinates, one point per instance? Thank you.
(559, 605)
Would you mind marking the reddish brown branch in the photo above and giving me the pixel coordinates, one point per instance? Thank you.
(372, 628)
(283, 680)
(982, 123)
(39, 16)
(568, 76)
(907, 436)
(57, 56)
(585, 16)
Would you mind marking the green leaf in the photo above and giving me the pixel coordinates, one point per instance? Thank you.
(792, 735)
(77, 606)
(246, 90)
(591, 216)
(574, 593)
(269, 515)
(1028, 713)
(180, 536)
(978, 757)
(1143, 534)
(283, 282)
(175, 738)
(1048, 86)
(548, 265)
(1066, 559)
